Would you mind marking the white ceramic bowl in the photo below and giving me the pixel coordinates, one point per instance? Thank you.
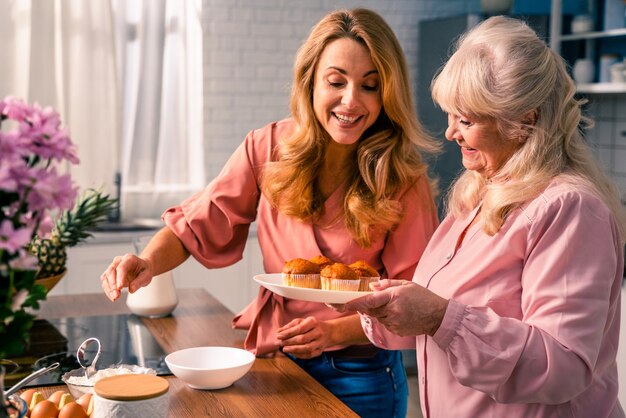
(79, 385)
(210, 367)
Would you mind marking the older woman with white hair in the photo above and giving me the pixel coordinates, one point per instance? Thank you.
(514, 306)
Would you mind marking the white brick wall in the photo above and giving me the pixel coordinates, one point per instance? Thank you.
(249, 47)
(609, 135)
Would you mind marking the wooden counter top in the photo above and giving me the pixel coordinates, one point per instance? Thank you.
(274, 387)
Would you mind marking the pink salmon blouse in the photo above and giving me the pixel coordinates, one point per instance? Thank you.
(213, 226)
(532, 325)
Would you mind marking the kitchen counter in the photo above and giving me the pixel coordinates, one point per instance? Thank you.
(126, 231)
(273, 387)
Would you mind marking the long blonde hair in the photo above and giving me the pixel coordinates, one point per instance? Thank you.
(503, 72)
(388, 156)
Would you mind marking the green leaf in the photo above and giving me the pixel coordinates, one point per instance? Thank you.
(15, 321)
(14, 336)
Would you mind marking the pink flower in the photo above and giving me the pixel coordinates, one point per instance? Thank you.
(7, 182)
(57, 146)
(25, 261)
(46, 225)
(15, 109)
(31, 142)
(12, 239)
(51, 190)
(12, 146)
(18, 299)
(32, 145)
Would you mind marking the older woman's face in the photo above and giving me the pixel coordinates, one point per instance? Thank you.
(346, 93)
(483, 148)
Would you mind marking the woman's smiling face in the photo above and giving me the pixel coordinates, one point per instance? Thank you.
(483, 148)
(346, 92)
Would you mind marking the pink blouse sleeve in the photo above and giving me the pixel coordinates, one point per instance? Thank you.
(381, 337)
(213, 224)
(570, 309)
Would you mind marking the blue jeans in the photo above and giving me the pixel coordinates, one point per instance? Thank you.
(371, 387)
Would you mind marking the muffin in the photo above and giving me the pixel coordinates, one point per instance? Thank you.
(366, 273)
(321, 260)
(338, 276)
(301, 273)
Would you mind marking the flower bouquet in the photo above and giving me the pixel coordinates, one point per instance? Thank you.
(32, 145)
(38, 217)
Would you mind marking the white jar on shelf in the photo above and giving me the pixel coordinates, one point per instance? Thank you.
(618, 72)
(606, 61)
(584, 71)
(582, 24)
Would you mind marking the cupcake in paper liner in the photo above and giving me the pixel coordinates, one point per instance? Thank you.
(364, 286)
(338, 276)
(321, 260)
(301, 273)
(366, 273)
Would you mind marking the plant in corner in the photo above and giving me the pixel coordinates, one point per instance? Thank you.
(32, 194)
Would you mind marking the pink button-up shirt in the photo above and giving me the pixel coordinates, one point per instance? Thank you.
(213, 225)
(532, 325)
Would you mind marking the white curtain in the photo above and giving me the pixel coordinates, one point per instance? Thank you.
(60, 54)
(126, 77)
(160, 63)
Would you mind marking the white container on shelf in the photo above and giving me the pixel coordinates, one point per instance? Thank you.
(606, 61)
(618, 72)
(582, 24)
(584, 71)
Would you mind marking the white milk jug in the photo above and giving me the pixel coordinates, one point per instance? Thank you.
(159, 298)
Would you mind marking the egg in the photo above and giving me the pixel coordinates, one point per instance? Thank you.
(65, 399)
(44, 409)
(27, 395)
(72, 410)
(37, 397)
(56, 397)
(86, 401)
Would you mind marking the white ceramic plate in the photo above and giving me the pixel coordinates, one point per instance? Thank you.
(274, 282)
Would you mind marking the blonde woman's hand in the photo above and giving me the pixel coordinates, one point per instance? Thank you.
(128, 271)
(304, 337)
(403, 307)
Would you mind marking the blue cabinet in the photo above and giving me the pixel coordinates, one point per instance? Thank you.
(607, 38)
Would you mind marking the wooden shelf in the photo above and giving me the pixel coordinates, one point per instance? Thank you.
(601, 88)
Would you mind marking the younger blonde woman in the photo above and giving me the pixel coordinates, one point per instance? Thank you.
(342, 177)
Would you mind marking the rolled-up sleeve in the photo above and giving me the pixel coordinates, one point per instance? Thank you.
(213, 224)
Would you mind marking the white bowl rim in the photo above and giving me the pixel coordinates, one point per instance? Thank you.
(168, 358)
(136, 369)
